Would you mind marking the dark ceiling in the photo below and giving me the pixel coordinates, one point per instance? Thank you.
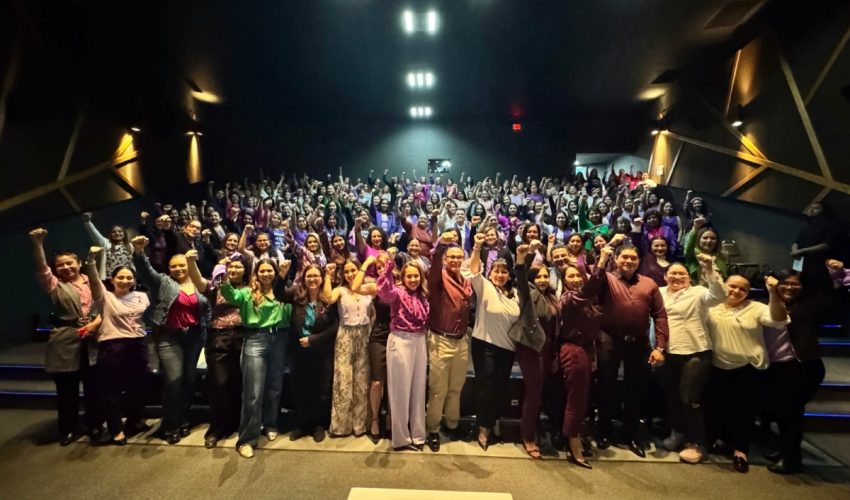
(274, 61)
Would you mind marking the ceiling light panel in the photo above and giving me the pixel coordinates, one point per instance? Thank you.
(420, 79)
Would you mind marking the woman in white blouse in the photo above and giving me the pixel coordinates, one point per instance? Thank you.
(737, 335)
(497, 309)
(688, 364)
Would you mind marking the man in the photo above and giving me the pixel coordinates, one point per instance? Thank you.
(628, 300)
(448, 347)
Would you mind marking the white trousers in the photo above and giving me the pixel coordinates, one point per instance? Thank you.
(407, 362)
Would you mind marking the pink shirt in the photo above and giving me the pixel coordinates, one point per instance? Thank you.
(409, 310)
(184, 312)
(48, 282)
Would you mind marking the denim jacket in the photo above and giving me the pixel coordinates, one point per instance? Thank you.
(163, 292)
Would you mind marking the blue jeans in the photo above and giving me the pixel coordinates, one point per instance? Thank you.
(262, 362)
(274, 379)
(178, 354)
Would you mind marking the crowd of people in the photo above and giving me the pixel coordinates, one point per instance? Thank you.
(376, 293)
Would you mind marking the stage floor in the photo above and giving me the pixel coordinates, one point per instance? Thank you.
(36, 467)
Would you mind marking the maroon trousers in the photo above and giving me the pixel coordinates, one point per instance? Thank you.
(575, 368)
(535, 366)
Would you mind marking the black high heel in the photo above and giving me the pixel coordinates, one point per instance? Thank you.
(483, 445)
(584, 464)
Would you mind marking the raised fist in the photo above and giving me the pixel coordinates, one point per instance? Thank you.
(705, 260)
(479, 239)
(192, 255)
(38, 234)
(140, 242)
(770, 283)
(834, 265)
(249, 228)
(94, 250)
(87, 216)
(144, 215)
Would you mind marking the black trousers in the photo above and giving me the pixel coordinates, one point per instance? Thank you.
(224, 377)
(122, 372)
(788, 386)
(312, 375)
(685, 378)
(612, 351)
(492, 366)
(68, 396)
(733, 400)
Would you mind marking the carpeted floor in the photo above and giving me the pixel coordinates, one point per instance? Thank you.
(32, 466)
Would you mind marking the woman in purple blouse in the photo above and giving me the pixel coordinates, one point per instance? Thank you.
(407, 351)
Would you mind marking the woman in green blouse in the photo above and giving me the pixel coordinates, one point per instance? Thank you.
(265, 320)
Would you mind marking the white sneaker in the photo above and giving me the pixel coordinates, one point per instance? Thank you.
(271, 435)
(245, 451)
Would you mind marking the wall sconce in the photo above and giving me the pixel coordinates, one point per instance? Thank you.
(737, 116)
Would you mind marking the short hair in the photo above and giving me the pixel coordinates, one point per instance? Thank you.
(622, 248)
(66, 253)
(784, 274)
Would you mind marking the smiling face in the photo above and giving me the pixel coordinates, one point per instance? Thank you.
(737, 289)
(599, 242)
(677, 277)
(67, 267)
(231, 242)
(178, 269)
(561, 220)
(658, 247)
(266, 274)
(789, 288)
(414, 247)
(313, 278)
(338, 243)
(454, 259)
(575, 244)
(192, 229)
(708, 241)
(123, 280)
(376, 238)
(236, 271)
(573, 279)
(627, 261)
(499, 275)
(491, 237)
(411, 277)
(349, 271)
(541, 279)
(262, 243)
(312, 243)
(117, 234)
(532, 233)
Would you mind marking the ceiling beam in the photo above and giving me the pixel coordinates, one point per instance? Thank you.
(72, 144)
(745, 141)
(804, 116)
(744, 180)
(780, 167)
(839, 48)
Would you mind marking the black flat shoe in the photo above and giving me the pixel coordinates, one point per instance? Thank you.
(210, 441)
(419, 446)
(772, 456)
(740, 464)
(433, 442)
(584, 464)
(297, 434)
(172, 438)
(319, 434)
(603, 443)
(407, 447)
(783, 467)
(67, 439)
(185, 431)
(637, 448)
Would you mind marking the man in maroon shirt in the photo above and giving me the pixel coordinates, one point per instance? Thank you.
(628, 300)
(448, 345)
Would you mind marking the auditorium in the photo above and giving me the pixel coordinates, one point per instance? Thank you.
(425, 249)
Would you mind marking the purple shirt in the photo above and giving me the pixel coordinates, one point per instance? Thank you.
(409, 310)
(778, 345)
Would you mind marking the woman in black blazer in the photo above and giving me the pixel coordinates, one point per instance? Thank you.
(313, 330)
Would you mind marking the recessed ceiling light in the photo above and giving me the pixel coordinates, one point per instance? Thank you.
(135, 129)
(408, 21)
(420, 79)
(432, 22)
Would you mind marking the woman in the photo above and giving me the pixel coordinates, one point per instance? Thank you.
(736, 328)
(492, 249)
(577, 332)
(229, 245)
(688, 361)
(414, 254)
(653, 228)
(377, 353)
(654, 254)
(117, 249)
(407, 351)
(314, 327)
(265, 319)
(70, 349)
(122, 356)
(492, 349)
(350, 402)
(562, 229)
(179, 316)
(703, 239)
(310, 253)
(534, 351)
(796, 369)
(377, 244)
(223, 349)
(671, 220)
